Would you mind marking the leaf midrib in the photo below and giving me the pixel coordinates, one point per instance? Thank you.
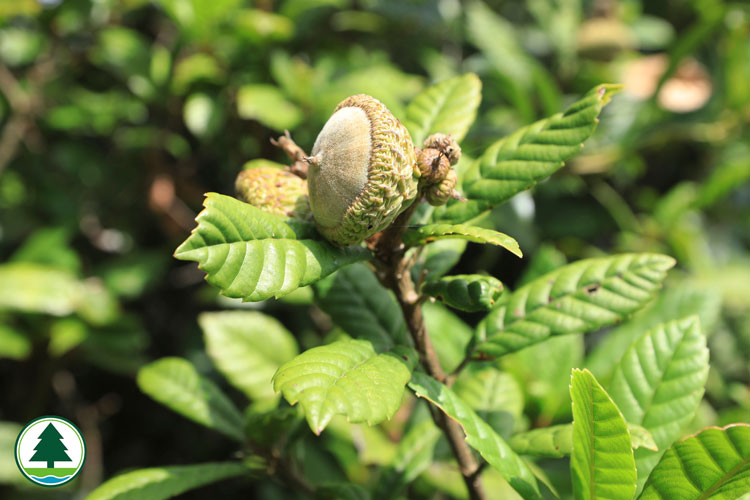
(723, 480)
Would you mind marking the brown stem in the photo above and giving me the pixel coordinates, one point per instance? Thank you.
(394, 271)
(295, 153)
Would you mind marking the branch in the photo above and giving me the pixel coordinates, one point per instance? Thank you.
(394, 271)
(295, 153)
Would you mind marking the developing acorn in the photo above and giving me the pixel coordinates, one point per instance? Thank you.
(273, 190)
(434, 162)
(362, 172)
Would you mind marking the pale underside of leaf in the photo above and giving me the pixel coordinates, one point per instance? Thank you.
(659, 383)
(346, 378)
(577, 298)
(602, 463)
(254, 255)
(715, 463)
(433, 232)
(164, 482)
(479, 435)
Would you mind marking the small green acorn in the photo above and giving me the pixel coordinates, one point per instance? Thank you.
(273, 190)
(362, 172)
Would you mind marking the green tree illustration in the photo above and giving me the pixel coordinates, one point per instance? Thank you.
(50, 448)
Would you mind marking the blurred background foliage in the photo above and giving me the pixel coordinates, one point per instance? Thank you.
(117, 115)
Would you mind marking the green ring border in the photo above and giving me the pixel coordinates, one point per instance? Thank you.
(18, 464)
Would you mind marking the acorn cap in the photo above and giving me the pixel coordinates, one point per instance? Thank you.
(273, 190)
(362, 171)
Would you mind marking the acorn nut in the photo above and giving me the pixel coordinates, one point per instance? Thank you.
(273, 190)
(362, 172)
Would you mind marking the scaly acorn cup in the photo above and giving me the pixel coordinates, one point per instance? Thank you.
(273, 190)
(362, 171)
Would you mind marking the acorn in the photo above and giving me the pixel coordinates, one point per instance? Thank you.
(273, 190)
(362, 172)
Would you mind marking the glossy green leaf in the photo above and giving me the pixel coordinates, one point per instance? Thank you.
(557, 440)
(254, 255)
(479, 435)
(533, 153)
(602, 463)
(439, 258)
(448, 107)
(247, 347)
(671, 304)
(176, 384)
(434, 232)
(359, 304)
(414, 455)
(715, 463)
(346, 378)
(577, 298)
(466, 292)
(160, 483)
(659, 383)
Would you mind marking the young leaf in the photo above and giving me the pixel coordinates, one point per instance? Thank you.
(448, 107)
(479, 435)
(659, 383)
(160, 483)
(434, 232)
(362, 307)
(176, 384)
(557, 440)
(715, 463)
(466, 292)
(247, 347)
(577, 298)
(254, 255)
(348, 378)
(533, 153)
(602, 463)
(414, 455)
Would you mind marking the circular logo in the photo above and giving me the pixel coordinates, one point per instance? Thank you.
(50, 451)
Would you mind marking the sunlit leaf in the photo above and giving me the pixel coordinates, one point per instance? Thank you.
(556, 441)
(577, 298)
(479, 435)
(434, 232)
(176, 384)
(466, 292)
(602, 463)
(448, 107)
(347, 378)
(659, 383)
(715, 463)
(254, 255)
(267, 104)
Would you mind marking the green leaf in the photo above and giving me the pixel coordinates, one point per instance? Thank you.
(359, 304)
(267, 104)
(247, 347)
(439, 258)
(159, 483)
(448, 107)
(176, 384)
(37, 288)
(673, 303)
(533, 153)
(254, 255)
(479, 435)
(346, 378)
(557, 440)
(434, 232)
(414, 455)
(577, 298)
(449, 334)
(602, 463)
(659, 383)
(715, 463)
(466, 292)
(13, 343)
